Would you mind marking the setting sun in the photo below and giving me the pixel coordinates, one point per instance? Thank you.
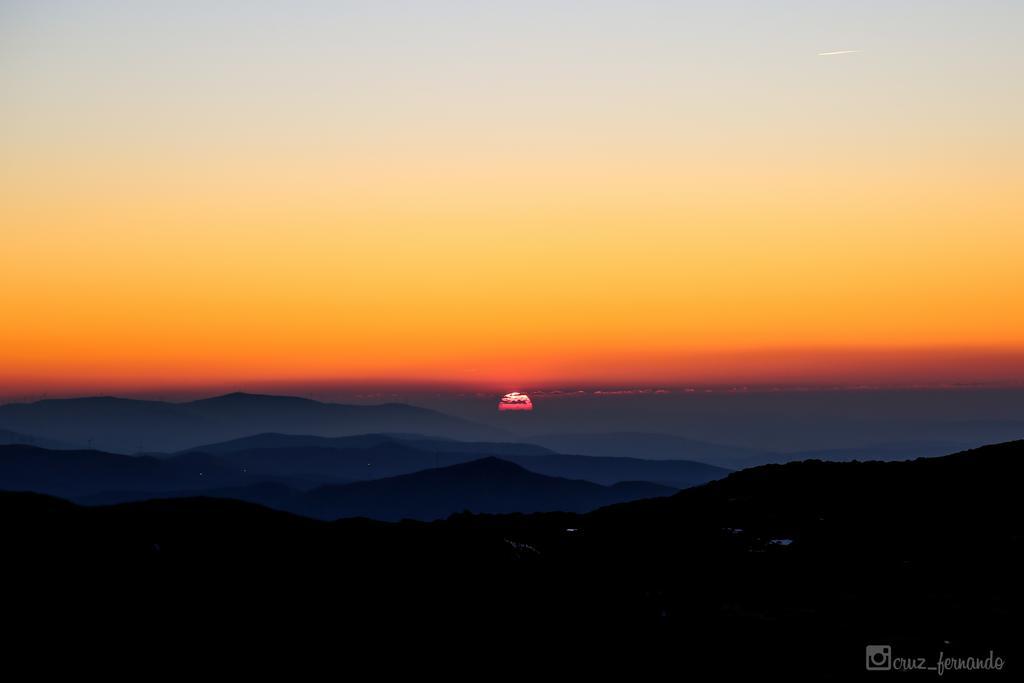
(515, 401)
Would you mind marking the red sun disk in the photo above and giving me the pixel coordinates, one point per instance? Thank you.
(515, 401)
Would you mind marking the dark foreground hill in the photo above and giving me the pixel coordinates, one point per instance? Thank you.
(779, 570)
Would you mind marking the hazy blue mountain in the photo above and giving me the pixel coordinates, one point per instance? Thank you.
(416, 441)
(8, 437)
(487, 485)
(775, 421)
(606, 470)
(291, 441)
(647, 446)
(500, 449)
(666, 446)
(388, 457)
(905, 450)
(79, 474)
(385, 459)
(129, 426)
(71, 473)
(277, 477)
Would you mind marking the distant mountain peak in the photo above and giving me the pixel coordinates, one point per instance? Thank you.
(488, 464)
(488, 467)
(242, 396)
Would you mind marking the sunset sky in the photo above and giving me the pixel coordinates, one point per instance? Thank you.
(510, 194)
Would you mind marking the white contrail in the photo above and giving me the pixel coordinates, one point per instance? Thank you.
(837, 52)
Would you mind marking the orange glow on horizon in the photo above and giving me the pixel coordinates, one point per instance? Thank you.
(367, 202)
(826, 368)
